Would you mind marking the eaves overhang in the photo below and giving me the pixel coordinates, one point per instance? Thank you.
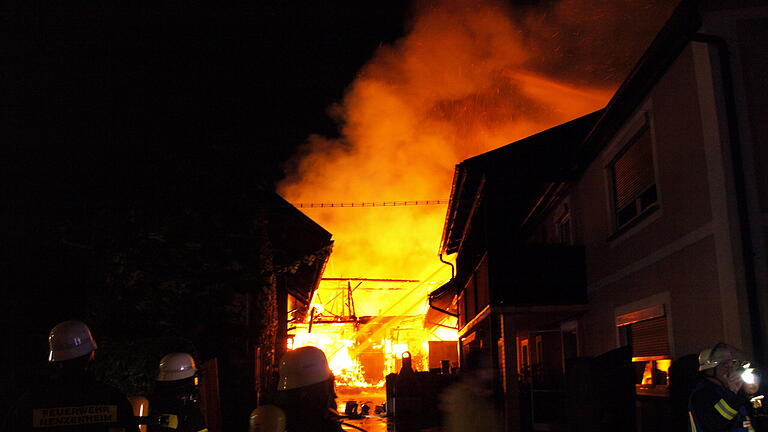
(524, 166)
(464, 193)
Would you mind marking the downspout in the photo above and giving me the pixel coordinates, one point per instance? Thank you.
(440, 256)
(429, 299)
(747, 250)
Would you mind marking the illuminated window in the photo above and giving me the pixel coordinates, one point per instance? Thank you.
(645, 331)
(539, 349)
(632, 179)
(524, 360)
(651, 371)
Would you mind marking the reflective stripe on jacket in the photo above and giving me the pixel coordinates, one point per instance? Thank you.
(713, 408)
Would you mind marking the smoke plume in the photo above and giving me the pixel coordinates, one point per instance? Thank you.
(469, 76)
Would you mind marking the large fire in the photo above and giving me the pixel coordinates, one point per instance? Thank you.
(469, 76)
(364, 343)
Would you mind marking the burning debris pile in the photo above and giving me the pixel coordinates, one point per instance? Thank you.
(365, 342)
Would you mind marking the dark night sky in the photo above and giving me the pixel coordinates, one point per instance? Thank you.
(125, 109)
(110, 101)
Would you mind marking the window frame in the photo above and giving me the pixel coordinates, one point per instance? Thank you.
(653, 307)
(564, 219)
(653, 388)
(524, 358)
(623, 141)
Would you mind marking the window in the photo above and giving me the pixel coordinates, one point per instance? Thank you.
(524, 361)
(563, 226)
(651, 373)
(569, 331)
(539, 349)
(632, 178)
(648, 338)
(645, 331)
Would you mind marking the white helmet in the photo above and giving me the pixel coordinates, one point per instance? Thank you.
(68, 340)
(267, 418)
(302, 367)
(176, 366)
(722, 352)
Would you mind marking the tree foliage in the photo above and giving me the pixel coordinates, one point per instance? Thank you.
(202, 276)
(131, 366)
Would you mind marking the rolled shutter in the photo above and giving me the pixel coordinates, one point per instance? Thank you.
(649, 337)
(633, 170)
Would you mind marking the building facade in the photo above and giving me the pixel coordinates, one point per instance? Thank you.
(660, 199)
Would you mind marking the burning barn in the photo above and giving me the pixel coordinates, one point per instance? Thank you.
(365, 341)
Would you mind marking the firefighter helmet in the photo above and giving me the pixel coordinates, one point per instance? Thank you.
(711, 357)
(267, 418)
(69, 340)
(302, 367)
(176, 366)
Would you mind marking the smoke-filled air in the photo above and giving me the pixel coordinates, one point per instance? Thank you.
(468, 77)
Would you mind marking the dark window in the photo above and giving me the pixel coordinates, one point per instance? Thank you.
(471, 298)
(564, 229)
(570, 344)
(633, 181)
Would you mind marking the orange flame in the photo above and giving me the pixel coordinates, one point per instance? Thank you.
(362, 352)
(470, 76)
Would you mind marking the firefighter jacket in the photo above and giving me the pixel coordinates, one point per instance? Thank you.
(309, 419)
(712, 408)
(72, 402)
(173, 415)
(310, 409)
(183, 419)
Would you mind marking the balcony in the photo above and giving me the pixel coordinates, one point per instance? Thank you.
(537, 275)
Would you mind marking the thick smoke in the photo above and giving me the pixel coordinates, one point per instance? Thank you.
(468, 77)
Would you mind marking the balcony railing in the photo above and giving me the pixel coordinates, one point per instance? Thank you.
(537, 275)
